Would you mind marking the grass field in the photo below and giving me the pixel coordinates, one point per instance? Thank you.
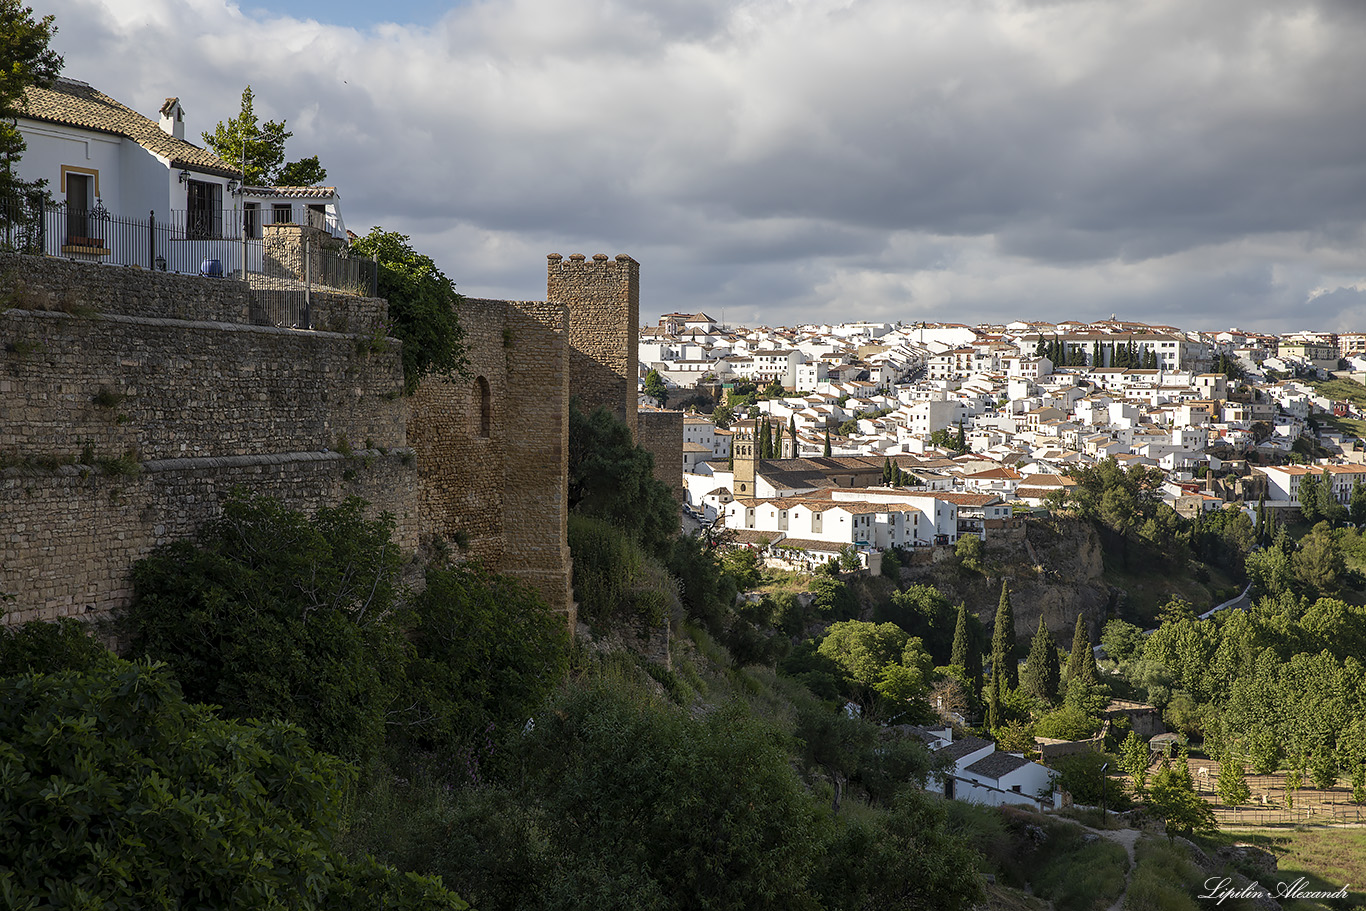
(1327, 858)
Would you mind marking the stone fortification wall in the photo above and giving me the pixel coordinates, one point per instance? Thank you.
(603, 297)
(165, 374)
(166, 388)
(71, 536)
(45, 283)
(492, 448)
(64, 286)
(170, 373)
(661, 433)
(536, 492)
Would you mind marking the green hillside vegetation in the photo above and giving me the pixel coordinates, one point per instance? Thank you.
(453, 730)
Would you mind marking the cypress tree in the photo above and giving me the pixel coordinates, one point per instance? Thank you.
(792, 433)
(778, 442)
(887, 472)
(766, 441)
(1081, 644)
(962, 639)
(1040, 675)
(1003, 664)
(966, 652)
(827, 442)
(994, 702)
(1090, 674)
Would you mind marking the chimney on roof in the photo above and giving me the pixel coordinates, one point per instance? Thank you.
(173, 118)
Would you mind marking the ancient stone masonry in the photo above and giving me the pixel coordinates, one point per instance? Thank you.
(492, 448)
(132, 402)
(70, 536)
(604, 328)
(661, 433)
(174, 388)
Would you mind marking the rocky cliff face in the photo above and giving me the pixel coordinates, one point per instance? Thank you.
(1054, 570)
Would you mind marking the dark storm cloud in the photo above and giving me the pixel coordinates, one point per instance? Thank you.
(960, 159)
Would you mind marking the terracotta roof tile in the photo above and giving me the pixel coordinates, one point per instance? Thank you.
(77, 104)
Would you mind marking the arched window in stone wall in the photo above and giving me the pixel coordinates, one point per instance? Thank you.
(483, 399)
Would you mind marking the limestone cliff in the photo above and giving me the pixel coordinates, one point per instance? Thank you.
(1054, 568)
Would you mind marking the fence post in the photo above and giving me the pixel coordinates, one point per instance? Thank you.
(308, 286)
(152, 241)
(42, 225)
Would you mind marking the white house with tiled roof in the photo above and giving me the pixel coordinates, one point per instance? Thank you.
(100, 157)
(102, 160)
(318, 207)
(979, 773)
(89, 147)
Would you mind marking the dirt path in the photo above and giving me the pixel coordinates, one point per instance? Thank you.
(1126, 839)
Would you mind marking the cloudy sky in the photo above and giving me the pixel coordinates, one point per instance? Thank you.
(790, 161)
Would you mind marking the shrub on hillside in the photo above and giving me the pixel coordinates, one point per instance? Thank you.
(45, 648)
(486, 651)
(270, 614)
(120, 794)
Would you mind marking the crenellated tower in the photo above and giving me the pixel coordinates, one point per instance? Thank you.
(602, 297)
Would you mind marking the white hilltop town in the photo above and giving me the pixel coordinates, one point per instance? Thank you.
(810, 442)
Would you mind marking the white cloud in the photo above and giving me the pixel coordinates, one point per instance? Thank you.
(965, 159)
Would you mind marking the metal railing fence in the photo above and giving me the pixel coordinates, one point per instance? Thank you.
(281, 268)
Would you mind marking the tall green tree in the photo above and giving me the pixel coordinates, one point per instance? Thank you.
(271, 614)
(422, 305)
(28, 61)
(655, 388)
(258, 149)
(1081, 644)
(1308, 498)
(1172, 798)
(1003, 657)
(994, 702)
(826, 452)
(612, 478)
(1329, 507)
(1356, 503)
(1233, 789)
(967, 654)
(1041, 671)
(1133, 759)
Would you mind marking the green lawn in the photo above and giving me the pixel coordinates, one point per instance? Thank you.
(1327, 858)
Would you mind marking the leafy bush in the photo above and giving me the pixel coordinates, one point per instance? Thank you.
(120, 794)
(613, 576)
(1081, 776)
(273, 615)
(45, 648)
(902, 858)
(422, 305)
(626, 803)
(1067, 723)
(611, 478)
(486, 651)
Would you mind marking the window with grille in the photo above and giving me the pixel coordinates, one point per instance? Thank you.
(203, 210)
